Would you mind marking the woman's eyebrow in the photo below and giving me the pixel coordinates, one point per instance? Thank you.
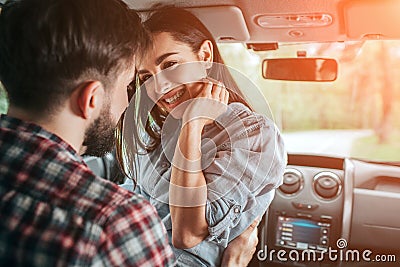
(164, 56)
(142, 71)
(158, 61)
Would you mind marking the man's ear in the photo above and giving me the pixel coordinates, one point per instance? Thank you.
(206, 53)
(89, 98)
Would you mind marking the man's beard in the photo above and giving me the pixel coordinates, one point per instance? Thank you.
(99, 137)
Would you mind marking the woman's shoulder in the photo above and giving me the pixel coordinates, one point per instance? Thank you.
(239, 115)
(238, 107)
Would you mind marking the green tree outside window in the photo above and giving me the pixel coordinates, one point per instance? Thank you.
(3, 100)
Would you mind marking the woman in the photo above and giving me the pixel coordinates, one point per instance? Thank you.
(203, 158)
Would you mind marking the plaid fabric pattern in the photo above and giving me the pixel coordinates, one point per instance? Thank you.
(55, 212)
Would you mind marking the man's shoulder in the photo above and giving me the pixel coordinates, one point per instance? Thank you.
(133, 222)
(123, 201)
(103, 201)
(58, 175)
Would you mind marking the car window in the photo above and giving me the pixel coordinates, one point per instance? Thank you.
(3, 100)
(358, 115)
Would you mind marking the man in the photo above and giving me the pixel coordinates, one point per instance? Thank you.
(66, 65)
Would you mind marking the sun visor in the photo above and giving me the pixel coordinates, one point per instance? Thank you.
(226, 23)
(372, 19)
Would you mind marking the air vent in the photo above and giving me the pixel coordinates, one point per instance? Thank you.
(327, 185)
(292, 182)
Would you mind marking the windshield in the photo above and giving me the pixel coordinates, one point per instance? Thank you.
(358, 115)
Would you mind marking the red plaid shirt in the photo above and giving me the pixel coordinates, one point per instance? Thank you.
(55, 212)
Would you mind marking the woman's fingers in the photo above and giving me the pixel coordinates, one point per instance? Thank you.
(207, 92)
(210, 103)
(225, 96)
(215, 90)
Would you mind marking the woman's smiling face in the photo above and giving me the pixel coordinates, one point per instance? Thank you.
(171, 71)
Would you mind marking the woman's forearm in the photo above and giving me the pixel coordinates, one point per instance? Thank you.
(188, 189)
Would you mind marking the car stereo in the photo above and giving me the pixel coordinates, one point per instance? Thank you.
(299, 233)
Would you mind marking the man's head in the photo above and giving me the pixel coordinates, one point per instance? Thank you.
(69, 53)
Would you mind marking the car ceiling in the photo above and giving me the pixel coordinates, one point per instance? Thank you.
(288, 20)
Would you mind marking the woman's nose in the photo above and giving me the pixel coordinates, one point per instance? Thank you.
(162, 85)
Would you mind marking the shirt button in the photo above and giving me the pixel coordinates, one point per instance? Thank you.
(236, 210)
(79, 221)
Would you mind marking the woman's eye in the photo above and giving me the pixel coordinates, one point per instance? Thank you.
(131, 89)
(144, 78)
(168, 64)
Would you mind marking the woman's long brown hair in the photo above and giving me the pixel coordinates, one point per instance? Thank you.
(186, 28)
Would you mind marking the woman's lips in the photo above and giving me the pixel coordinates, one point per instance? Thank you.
(172, 99)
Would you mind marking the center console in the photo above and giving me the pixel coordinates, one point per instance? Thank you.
(299, 233)
(306, 213)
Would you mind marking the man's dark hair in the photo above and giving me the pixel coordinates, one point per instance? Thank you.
(48, 47)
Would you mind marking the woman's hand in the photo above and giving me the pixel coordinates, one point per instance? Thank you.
(211, 102)
(241, 249)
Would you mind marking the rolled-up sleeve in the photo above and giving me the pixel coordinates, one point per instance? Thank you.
(244, 162)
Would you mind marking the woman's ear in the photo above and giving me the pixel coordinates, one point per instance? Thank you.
(206, 53)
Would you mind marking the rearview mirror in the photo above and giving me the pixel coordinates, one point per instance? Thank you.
(300, 69)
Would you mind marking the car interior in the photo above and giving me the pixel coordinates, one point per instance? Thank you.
(327, 199)
(327, 70)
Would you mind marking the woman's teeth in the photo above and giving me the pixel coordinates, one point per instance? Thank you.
(174, 98)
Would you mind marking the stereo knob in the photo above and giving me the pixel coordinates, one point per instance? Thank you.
(327, 185)
(292, 182)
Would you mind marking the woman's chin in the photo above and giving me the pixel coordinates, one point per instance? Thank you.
(177, 112)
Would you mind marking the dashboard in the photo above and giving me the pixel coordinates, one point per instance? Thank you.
(337, 204)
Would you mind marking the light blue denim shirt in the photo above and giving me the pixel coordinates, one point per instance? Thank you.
(243, 162)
